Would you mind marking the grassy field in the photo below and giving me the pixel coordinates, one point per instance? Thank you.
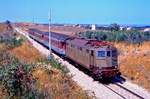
(135, 62)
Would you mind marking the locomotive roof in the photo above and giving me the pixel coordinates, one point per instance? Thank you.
(59, 36)
(89, 43)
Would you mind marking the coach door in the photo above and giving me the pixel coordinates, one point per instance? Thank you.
(92, 58)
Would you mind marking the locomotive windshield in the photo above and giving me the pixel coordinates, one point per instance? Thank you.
(101, 54)
(105, 53)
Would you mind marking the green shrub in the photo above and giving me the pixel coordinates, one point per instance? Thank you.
(17, 78)
(117, 36)
(14, 43)
(56, 64)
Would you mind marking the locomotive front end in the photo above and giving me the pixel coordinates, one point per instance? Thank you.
(107, 61)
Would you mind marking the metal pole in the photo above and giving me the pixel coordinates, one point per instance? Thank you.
(49, 34)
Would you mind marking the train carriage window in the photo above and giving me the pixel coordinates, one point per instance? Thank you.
(101, 54)
(108, 53)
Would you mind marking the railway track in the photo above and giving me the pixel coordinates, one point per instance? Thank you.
(116, 89)
(123, 92)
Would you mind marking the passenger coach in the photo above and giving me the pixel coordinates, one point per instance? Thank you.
(58, 41)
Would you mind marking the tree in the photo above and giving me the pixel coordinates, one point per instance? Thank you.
(114, 27)
(9, 27)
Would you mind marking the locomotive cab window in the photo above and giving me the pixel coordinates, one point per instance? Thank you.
(108, 53)
(101, 54)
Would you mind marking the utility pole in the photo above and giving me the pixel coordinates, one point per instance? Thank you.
(33, 19)
(50, 54)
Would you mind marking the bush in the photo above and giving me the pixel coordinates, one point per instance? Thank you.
(17, 78)
(56, 64)
(13, 43)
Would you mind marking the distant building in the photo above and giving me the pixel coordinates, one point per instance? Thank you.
(93, 27)
(147, 30)
(129, 28)
(122, 28)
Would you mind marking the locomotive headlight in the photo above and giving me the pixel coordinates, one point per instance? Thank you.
(116, 66)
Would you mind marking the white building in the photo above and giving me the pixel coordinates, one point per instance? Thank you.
(129, 28)
(121, 28)
(93, 27)
(147, 30)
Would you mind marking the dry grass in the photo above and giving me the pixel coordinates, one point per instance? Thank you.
(126, 48)
(58, 86)
(3, 27)
(3, 92)
(135, 62)
(26, 53)
(53, 83)
(3, 47)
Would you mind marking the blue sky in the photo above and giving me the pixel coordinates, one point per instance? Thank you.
(77, 11)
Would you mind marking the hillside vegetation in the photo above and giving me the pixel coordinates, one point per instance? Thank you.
(26, 74)
(49, 80)
(132, 36)
(135, 62)
(26, 53)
